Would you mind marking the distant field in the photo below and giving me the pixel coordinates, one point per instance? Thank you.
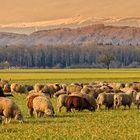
(101, 125)
(71, 75)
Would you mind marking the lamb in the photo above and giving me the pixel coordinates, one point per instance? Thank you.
(42, 104)
(122, 99)
(9, 110)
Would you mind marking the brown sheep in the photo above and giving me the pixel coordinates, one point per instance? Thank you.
(106, 99)
(9, 110)
(122, 99)
(78, 103)
(42, 104)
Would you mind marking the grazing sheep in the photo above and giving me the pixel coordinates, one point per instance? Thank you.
(46, 90)
(30, 103)
(60, 92)
(2, 93)
(133, 94)
(53, 88)
(122, 99)
(61, 101)
(50, 89)
(90, 98)
(138, 100)
(106, 99)
(13, 87)
(117, 85)
(63, 86)
(29, 87)
(9, 110)
(78, 103)
(42, 104)
(7, 88)
(38, 87)
(3, 82)
(73, 88)
(20, 89)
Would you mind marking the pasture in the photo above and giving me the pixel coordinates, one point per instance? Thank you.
(113, 124)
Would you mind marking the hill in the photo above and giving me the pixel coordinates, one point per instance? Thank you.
(96, 34)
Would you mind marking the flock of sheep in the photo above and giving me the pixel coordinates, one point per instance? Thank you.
(73, 96)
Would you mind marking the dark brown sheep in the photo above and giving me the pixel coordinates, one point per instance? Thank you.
(78, 103)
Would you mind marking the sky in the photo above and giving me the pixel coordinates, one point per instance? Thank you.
(16, 11)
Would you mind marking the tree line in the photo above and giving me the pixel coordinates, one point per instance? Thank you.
(74, 56)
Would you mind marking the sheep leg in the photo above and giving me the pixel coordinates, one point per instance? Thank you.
(6, 120)
(124, 107)
(37, 114)
(59, 108)
(41, 114)
(31, 112)
(98, 107)
(9, 120)
(137, 106)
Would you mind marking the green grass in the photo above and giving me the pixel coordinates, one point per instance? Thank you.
(71, 75)
(101, 125)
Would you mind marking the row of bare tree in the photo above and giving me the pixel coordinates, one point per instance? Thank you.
(89, 55)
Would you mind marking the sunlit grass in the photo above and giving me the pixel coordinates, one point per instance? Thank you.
(71, 75)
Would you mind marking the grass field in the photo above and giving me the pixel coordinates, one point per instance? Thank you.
(104, 125)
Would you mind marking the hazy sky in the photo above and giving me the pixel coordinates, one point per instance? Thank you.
(12, 11)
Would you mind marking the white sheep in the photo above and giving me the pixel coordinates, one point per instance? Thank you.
(42, 104)
(9, 109)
